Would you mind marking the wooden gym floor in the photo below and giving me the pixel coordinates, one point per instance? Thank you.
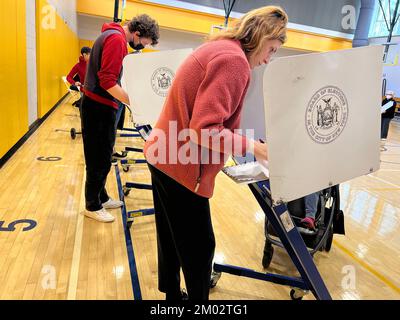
(67, 256)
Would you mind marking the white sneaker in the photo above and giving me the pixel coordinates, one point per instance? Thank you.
(112, 204)
(101, 215)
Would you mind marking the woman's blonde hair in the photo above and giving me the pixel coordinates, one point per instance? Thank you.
(265, 23)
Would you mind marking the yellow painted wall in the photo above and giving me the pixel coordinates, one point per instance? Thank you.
(57, 52)
(13, 80)
(198, 22)
(301, 40)
(85, 43)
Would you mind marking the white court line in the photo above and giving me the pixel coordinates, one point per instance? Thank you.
(76, 257)
(383, 180)
(392, 145)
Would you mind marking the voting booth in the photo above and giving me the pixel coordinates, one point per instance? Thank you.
(323, 128)
(147, 78)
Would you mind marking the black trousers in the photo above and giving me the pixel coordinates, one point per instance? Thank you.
(385, 127)
(98, 132)
(185, 238)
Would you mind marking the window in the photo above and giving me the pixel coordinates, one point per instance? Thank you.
(378, 26)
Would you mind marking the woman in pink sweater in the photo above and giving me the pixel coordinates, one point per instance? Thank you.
(193, 138)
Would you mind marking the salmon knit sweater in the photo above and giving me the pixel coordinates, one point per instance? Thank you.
(207, 94)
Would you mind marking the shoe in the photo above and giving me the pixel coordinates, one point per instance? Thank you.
(118, 156)
(308, 222)
(268, 254)
(121, 155)
(184, 294)
(176, 296)
(383, 139)
(112, 204)
(101, 215)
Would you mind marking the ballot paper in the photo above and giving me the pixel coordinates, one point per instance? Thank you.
(249, 172)
(387, 106)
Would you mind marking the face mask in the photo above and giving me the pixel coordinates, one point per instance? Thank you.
(137, 47)
(388, 97)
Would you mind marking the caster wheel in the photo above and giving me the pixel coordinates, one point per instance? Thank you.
(297, 294)
(126, 191)
(268, 253)
(214, 278)
(73, 133)
(125, 168)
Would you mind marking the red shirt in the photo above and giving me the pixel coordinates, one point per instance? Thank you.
(207, 93)
(109, 59)
(78, 69)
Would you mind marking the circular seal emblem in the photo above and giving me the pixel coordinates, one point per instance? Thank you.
(326, 114)
(161, 81)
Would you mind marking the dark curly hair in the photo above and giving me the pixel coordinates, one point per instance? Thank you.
(147, 27)
(86, 50)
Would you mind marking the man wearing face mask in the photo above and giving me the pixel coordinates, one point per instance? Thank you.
(387, 115)
(99, 106)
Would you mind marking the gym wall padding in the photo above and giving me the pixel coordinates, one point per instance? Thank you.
(13, 79)
(57, 52)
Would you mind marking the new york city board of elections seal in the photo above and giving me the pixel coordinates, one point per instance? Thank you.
(326, 114)
(161, 81)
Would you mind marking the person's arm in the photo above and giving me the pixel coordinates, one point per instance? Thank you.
(392, 109)
(218, 97)
(114, 51)
(71, 75)
(260, 151)
(118, 93)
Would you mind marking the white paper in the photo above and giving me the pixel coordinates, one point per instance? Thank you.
(248, 172)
